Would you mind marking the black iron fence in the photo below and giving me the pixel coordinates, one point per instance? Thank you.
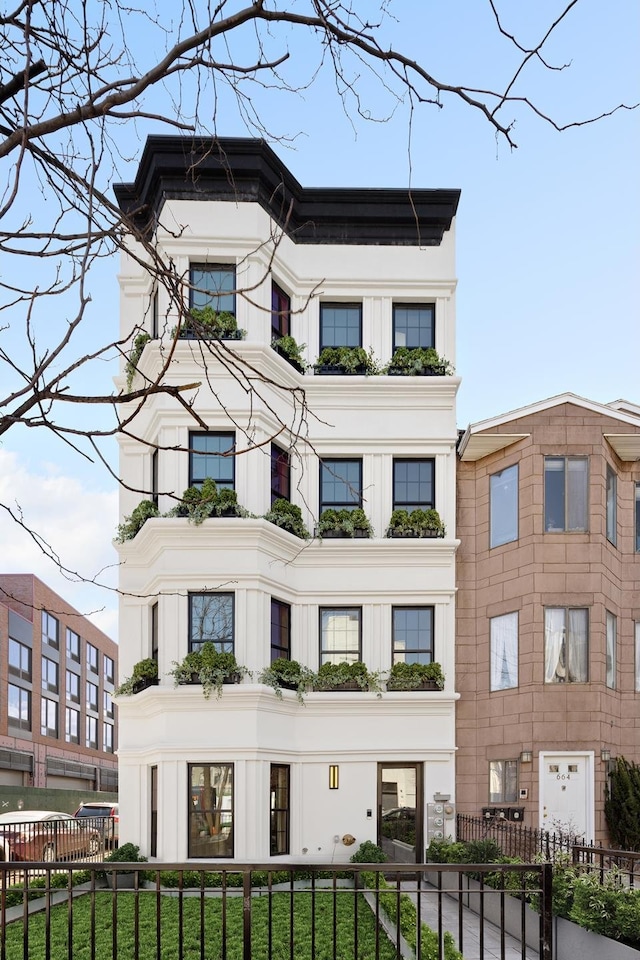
(601, 861)
(516, 840)
(52, 838)
(147, 911)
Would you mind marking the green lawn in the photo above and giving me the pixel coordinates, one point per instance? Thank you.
(100, 929)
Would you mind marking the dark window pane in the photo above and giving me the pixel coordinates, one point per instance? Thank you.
(280, 312)
(280, 473)
(413, 325)
(206, 459)
(554, 493)
(211, 619)
(503, 510)
(213, 285)
(413, 484)
(566, 494)
(413, 634)
(210, 810)
(279, 804)
(280, 630)
(340, 325)
(340, 484)
(50, 629)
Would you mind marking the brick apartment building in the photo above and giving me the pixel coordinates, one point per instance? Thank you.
(58, 725)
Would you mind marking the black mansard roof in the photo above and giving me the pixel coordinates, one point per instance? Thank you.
(245, 169)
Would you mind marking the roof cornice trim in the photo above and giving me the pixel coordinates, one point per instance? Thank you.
(245, 169)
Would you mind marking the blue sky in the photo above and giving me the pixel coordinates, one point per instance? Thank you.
(548, 236)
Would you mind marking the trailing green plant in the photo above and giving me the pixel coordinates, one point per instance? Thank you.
(346, 521)
(287, 515)
(369, 852)
(210, 667)
(291, 350)
(349, 360)
(416, 523)
(200, 503)
(205, 322)
(414, 361)
(412, 676)
(145, 510)
(288, 674)
(622, 804)
(136, 352)
(144, 670)
(333, 675)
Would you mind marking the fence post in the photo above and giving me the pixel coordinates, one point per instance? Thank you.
(246, 915)
(546, 911)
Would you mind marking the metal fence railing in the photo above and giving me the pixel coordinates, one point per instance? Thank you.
(54, 839)
(186, 911)
(601, 860)
(516, 840)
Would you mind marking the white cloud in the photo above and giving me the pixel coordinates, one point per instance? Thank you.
(78, 524)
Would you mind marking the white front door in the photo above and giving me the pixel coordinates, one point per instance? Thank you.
(566, 794)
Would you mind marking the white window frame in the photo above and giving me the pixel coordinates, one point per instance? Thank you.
(504, 652)
(561, 658)
(612, 636)
(503, 506)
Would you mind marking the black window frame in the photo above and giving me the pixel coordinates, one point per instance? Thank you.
(327, 467)
(72, 645)
(199, 294)
(20, 670)
(154, 477)
(14, 721)
(280, 630)
(431, 307)
(51, 640)
(399, 654)
(424, 503)
(153, 810)
(153, 628)
(342, 654)
(279, 813)
(222, 645)
(325, 307)
(218, 850)
(280, 473)
(50, 708)
(280, 312)
(222, 482)
(550, 527)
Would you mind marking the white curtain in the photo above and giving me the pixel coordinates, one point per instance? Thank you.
(504, 652)
(578, 644)
(554, 645)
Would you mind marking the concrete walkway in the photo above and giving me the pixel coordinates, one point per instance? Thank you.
(492, 948)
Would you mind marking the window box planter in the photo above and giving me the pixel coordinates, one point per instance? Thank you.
(437, 370)
(140, 685)
(233, 335)
(205, 323)
(210, 668)
(285, 674)
(289, 350)
(346, 678)
(345, 361)
(347, 686)
(418, 362)
(344, 523)
(143, 675)
(288, 516)
(410, 677)
(422, 685)
(417, 523)
(333, 370)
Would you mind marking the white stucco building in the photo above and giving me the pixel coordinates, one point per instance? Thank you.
(352, 266)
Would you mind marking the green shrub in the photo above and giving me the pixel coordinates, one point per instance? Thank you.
(287, 515)
(622, 805)
(137, 519)
(607, 908)
(369, 852)
(136, 352)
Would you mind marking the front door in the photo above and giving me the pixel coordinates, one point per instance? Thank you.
(400, 805)
(566, 794)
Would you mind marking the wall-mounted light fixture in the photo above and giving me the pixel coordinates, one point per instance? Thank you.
(605, 754)
(526, 756)
(334, 776)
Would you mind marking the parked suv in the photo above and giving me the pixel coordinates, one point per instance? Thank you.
(104, 818)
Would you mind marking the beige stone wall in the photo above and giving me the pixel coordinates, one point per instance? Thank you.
(540, 570)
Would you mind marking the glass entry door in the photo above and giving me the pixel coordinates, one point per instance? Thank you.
(400, 806)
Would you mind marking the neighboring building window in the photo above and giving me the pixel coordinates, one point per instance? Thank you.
(504, 652)
(412, 635)
(107, 704)
(48, 718)
(154, 632)
(109, 669)
(503, 781)
(211, 809)
(71, 725)
(72, 686)
(92, 696)
(19, 707)
(340, 634)
(211, 455)
(637, 632)
(566, 494)
(49, 675)
(279, 805)
(91, 733)
(92, 658)
(413, 325)
(211, 619)
(50, 630)
(72, 646)
(566, 645)
(155, 315)
(413, 484)
(280, 630)
(503, 506)
(107, 737)
(612, 506)
(637, 517)
(340, 484)
(612, 631)
(280, 312)
(213, 285)
(19, 659)
(280, 473)
(154, 477)
(340, 325)
(154, 812)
